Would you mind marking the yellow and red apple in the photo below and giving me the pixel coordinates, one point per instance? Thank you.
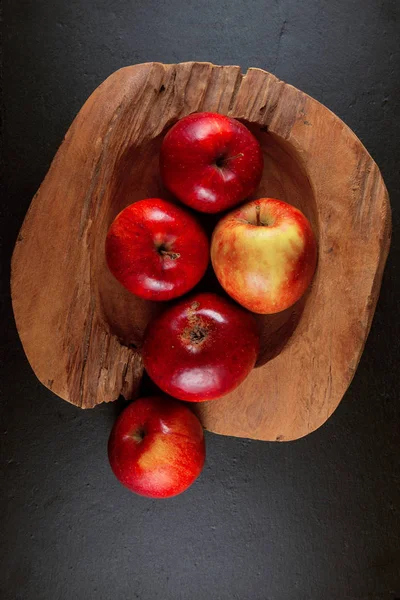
(264, 255)
(156, 447)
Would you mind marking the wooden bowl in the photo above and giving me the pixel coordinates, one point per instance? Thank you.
(82, 331)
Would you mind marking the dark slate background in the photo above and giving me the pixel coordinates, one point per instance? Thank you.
(313, 519)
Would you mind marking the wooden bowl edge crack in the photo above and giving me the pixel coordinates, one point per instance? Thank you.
(61, 313)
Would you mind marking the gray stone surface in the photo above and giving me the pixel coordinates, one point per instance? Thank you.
(309, 520)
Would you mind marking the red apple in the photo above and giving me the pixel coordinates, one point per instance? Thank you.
(201, 348)
(156, 250)
(156, 447)
(264, 255)
(210, 162)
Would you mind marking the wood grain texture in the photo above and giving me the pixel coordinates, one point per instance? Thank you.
(82, 331)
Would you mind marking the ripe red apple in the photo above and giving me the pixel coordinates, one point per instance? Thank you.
(156, 447)
(210, 162)
(201, 348)
(264, 255)
(156, 250)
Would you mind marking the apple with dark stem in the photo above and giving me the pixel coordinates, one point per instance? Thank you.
(156, 447)
(156, 250)
(264, 255)
(201, 348)
(210, 162)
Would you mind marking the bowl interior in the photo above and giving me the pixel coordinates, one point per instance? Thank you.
(136, 176)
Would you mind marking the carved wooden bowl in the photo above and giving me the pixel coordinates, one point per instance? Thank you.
(82, 331)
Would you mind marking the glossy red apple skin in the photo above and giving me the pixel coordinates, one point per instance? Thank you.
(201, 348)
(210, 162)
(264, 255)
(156, 250)
(156, 447)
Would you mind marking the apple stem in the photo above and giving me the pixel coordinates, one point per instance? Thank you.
(233, 157)
(171, 255)
(222, 160)
(139, 435)
(258, 219)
